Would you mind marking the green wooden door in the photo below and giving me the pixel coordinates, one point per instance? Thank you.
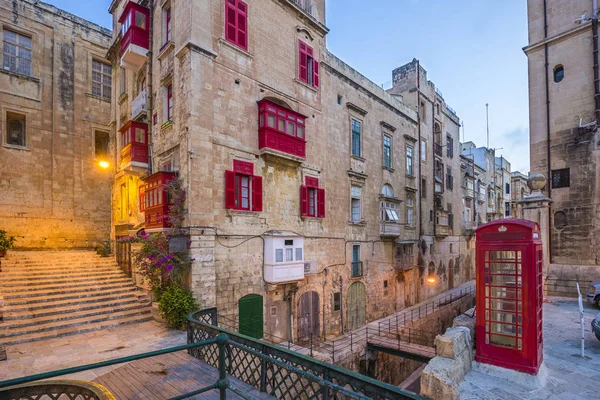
(357, 306)
(251, 315)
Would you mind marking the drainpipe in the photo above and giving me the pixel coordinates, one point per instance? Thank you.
(548, 141)
(595, 53)
(419, 195)
(342, 303)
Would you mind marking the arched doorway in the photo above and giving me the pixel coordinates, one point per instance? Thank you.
(308, 316)
(357, 306)
(451, 274)
(250, 309)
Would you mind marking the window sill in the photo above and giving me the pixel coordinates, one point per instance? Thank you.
(236, 48)
(18, 75)
(359, 158)
(98, 97)
(235, 212)
(165, 49)
(122, 97)
(166, 126)
(362, 222)
(311, 218)
(389, 169)
(15, 147)
(306, 85)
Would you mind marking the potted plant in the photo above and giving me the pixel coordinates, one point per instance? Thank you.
(6, 242)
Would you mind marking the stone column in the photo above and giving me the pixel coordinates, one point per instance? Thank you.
(536, 207)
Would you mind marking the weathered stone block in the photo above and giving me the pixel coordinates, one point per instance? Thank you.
(468, 322)
(436, 383)
(453, 343)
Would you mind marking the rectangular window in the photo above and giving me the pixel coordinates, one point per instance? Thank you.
(100, 145)
(409, 161)
(422, 111)
(312, 199)
(236, 23)
(123, 81)
(423, 188)
(356, 263)
(16, 53)
(356, 132)
(561, 178)
(389, 211)
(15, 129)
(355, 203)
(507, 188)
(410, 211)
(449, 179)
(101, 79)
(298, 253)
(170, 102)
(167, 25)
(449, 146)
(124, 201)
(337, 301)
(387, 151)
(243, 190)
(278, 255)
(423, 150)
(308, 67)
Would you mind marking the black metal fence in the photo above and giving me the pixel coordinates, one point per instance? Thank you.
(279, 372)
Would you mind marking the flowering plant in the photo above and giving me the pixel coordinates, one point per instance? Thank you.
(177, 203)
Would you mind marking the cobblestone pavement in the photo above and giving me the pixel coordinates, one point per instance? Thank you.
(570, 377)
(71, 351)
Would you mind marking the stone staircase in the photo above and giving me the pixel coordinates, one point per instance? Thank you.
(51, 294)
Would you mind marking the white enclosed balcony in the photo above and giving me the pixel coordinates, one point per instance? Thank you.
(138, 106)
(284, 257)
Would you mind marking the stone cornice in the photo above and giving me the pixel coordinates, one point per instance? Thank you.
(556, 38)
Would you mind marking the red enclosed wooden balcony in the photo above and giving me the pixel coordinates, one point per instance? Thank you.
(156, 200)
(134, 146)
(281, 129)
(135, 36)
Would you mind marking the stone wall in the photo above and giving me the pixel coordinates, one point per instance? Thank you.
(54, 195)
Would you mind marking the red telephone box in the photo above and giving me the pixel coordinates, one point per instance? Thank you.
(509, 295)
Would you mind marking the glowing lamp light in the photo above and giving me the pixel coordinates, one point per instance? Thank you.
(431, 279)
(104, 164)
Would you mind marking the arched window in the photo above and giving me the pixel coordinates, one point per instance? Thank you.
(387, 190)
(559, 73)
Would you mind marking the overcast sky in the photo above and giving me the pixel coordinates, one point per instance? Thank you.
(471, 50)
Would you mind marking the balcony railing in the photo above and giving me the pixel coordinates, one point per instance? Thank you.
(442, 230)
(389, 229)
(138, 105)
(437, 149)
(357, 269)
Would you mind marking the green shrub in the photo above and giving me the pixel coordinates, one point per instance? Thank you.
(175, 304)
(103, 250)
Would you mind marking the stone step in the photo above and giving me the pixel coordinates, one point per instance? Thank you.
(67, 316)
(25, 306)
(68, 294)
(30, 337)
(49, 283)
(35, 290)
(56, 265)
(58, 325)
(13, 277)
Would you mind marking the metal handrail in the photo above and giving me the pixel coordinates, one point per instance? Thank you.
(300, 372)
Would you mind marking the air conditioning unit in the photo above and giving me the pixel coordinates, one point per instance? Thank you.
(310, 267)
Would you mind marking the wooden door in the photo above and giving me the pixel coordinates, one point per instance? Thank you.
(308, 316)
(357, 306)
(251, 315)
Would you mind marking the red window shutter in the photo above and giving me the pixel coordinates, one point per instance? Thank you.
(242, 25)
(321, 203)
(302, 62)
(229, 189)
(303, 200)
(315, 73)
(256, 193)
(230, 21)
(142, 198)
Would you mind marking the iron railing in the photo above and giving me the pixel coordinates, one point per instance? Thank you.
(279, 372)
(220, 344)
(357, 269)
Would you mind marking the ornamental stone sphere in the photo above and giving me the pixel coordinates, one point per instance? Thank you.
(536, 182)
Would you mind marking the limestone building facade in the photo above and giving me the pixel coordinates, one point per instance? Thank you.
(54, 114)
(564, 104)
(303, 208)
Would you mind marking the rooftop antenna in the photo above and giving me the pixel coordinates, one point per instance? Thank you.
(487, 124)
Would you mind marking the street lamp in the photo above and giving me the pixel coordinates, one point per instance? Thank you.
(103, 164)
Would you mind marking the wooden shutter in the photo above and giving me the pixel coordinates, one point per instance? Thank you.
(142, 194)
(242, 25)
(256, 193)
(229, 189)
(303, 200)
(315, 73)
(321, 203)
(302, 61)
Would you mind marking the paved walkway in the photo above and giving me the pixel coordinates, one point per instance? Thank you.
(71, 351)
(570, 377)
